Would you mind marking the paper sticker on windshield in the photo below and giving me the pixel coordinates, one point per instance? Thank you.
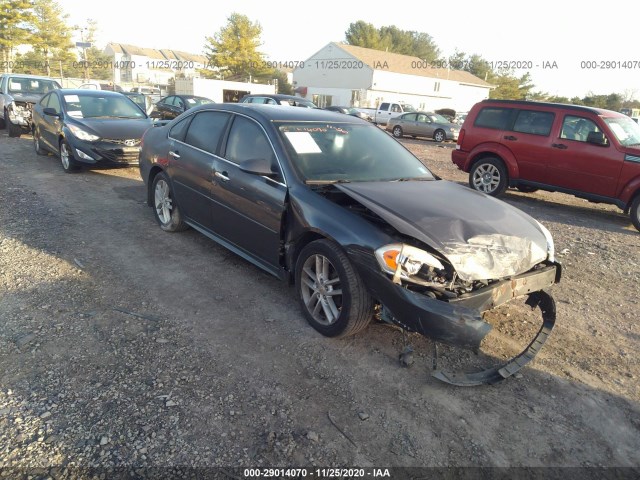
(190, 100)
(15, 86)
(303, 142)
(75, 113)
(71, 98)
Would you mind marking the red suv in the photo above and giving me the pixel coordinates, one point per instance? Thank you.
(587, 152)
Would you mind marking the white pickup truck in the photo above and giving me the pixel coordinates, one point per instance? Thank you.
(388, 110)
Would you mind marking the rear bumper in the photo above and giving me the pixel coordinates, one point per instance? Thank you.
(459, 158)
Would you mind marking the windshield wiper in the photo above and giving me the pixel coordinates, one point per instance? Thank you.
(325, 182)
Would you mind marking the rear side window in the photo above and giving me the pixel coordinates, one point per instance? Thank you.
(384, 106)
(493, 117)
(534, 122)
(206, 129)
(179, 130)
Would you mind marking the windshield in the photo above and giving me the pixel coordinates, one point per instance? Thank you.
(436, 117)
(626, 130)
(336, 152)
(196, 101)
(93, 106)
(408, 108)
(139, 98)
(298, 103)
(31, 86)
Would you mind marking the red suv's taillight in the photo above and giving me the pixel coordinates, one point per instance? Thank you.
(461, 136)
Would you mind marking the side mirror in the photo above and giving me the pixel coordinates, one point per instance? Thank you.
(597, 138)
(51, 112)
(257, 166)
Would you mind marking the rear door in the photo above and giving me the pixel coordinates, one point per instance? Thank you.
(529, 139)
(193, 143)
(579, 165)
(248, 208)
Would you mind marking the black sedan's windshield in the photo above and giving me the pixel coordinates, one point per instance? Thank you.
(31, 86)
(93, 106)
(335, 152)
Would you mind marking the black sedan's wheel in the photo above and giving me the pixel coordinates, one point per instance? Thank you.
(439, 136)
(332, 295)
(634, 212)
(489, 176)
(37, 144)
(66, 158)
(165, 208)
(397, 132)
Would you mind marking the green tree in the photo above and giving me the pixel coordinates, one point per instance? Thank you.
(363, 34)
(52, 36)
(98, 61)
(16, 18)
(392, 39)
(510, 87)
(234, 48)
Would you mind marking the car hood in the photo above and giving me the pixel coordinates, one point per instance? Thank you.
(115, 128)
(25, 97)
(482, 237)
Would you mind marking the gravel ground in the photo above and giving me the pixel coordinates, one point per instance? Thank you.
(122, 346)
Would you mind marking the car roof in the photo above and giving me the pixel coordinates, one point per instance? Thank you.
(87, 92)
(278, 113)
(276, 96)
(27, 75)
(580, 108)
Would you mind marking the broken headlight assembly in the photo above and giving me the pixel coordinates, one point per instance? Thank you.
(19, 114)
(405, 261)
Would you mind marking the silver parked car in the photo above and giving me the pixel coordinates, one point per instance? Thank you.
(423, 124)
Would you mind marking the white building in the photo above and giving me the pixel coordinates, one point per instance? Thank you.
(220, 90)
(341, 74)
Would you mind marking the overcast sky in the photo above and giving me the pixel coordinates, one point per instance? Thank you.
(567, 33)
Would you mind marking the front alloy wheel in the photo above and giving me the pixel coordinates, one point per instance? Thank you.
(332, 295)
(66, 158)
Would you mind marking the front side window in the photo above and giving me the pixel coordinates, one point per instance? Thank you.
(54, 102)
(577, 128)
(247, 141)
(179, 130)
(534, 122)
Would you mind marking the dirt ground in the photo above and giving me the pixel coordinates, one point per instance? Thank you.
(125, 346)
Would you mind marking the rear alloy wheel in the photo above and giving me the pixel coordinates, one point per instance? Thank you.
(331, 293)
(634, 212)
(397, 132)
(489, 176)
(66, 158)
(37, 145)
(165, 209)
(439, 136)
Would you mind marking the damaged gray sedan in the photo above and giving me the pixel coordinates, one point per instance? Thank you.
(360, 226)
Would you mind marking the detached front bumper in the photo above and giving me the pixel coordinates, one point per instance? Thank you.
(459, 322)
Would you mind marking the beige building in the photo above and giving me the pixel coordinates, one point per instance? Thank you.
(341, 74)
(133, 64)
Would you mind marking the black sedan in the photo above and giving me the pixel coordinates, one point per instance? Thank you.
(89, 128)
(170, 107)
(359, 224)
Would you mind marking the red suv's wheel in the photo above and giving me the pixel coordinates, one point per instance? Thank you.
(489, 176)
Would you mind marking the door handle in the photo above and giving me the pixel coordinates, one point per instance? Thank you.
(510, 137)
(222, 176)
(174, 154)
(561, 146)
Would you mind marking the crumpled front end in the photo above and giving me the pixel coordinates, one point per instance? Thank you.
(20, 113)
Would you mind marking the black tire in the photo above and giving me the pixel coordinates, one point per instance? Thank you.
(397, 131)
(14, 130)
(634, 212)
(439, 136)
(165, 209)
(69, 165)
(3, 120)
(527, 189)
(351, 310)
(37, 144)
(489, 176)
